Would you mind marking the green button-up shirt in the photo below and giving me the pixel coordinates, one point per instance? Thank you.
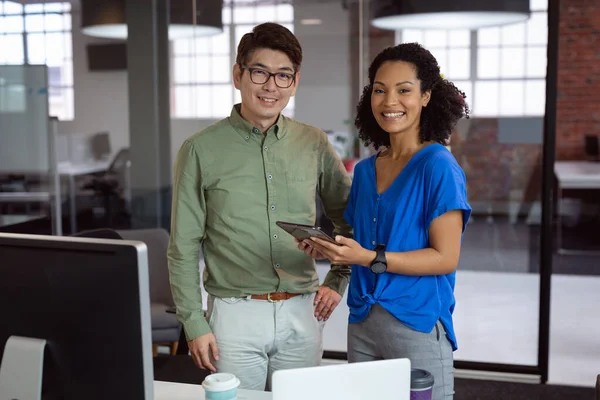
(231, 185)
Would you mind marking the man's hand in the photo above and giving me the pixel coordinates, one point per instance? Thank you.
(326, 301)
(308, 249)
(202, 348)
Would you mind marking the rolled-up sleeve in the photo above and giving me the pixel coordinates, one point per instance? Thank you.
(188, 219)
(334, 189)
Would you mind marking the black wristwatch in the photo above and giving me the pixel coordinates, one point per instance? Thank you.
(379, 264)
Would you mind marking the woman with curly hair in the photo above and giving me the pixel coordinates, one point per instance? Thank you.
(408, 207)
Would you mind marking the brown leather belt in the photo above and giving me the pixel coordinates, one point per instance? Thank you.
(274, 297)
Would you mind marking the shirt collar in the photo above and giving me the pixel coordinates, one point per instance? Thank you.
(245, 129)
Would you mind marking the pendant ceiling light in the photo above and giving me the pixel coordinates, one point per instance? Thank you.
(106, 18)
(446, 14)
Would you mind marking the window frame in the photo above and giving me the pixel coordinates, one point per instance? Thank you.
(474, 82)
(64, 10)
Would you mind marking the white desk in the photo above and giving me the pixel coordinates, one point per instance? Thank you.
(577, 174)
(574, 175)
(183, 391)
(72, 171)
(67, 170)
(93, 167)
(14, 219)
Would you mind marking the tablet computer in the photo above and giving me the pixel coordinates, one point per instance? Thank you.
(300, 231)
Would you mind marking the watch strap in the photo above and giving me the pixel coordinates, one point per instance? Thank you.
(379, 264)
(380, 257)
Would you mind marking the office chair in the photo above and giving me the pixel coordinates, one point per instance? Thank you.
(166, 328)
(102, 233)
(113, 185)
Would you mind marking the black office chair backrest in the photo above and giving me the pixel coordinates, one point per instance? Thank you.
(120, 161)
(102, 233)
(157, 241)
(119, 168)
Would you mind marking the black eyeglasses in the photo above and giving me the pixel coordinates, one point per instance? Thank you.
(259, 76)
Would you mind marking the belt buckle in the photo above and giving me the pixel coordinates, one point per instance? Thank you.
(270, 300)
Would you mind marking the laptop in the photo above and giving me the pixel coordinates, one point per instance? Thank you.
(385, 379)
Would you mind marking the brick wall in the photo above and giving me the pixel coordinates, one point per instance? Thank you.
(498, 174)
(578, 105)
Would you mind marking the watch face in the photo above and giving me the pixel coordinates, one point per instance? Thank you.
(378, 268)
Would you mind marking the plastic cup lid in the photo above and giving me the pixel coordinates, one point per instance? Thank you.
(220, 382)
(420, 379)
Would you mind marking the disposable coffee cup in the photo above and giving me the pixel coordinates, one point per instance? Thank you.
(221, 386)
(421, 384)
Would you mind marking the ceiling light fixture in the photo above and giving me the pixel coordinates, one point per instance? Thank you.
(106, 18)
(311, 21)
(446, 14)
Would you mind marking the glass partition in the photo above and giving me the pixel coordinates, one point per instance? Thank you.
(27, 150)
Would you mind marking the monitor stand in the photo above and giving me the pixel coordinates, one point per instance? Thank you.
(21, 369)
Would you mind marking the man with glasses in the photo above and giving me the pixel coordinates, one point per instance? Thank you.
(233, 181)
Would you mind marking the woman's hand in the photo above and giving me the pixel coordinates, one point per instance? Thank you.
(348, 251)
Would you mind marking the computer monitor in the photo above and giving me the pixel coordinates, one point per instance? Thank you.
(100, 145)
(89, 300)
(592, 147)
(382, 379)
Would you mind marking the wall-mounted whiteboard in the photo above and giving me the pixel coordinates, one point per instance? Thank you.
(24, 119)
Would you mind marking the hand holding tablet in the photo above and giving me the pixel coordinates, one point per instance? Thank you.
(301, 232)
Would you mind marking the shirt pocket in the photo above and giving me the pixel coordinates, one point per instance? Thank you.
(301, 188)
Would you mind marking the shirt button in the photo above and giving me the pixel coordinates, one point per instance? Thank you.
(273, 207)
(247, 137)
(233, 299)
(255, 130)
(270, 176)
(275, 237)
(266, 148)
(277, 265)
(373, 242)
(374, 219)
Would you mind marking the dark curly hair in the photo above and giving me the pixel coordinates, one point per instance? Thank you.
(446, 106)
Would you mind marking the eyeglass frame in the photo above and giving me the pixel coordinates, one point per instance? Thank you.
(271, 74)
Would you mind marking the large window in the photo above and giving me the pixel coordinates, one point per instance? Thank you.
(41, 34)
(502, 70)
(201, 69)
(452, 49)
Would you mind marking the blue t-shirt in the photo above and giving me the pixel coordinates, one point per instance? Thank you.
(431, 184)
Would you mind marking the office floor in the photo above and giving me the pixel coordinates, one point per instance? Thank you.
(498, 285)
(497, 321)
